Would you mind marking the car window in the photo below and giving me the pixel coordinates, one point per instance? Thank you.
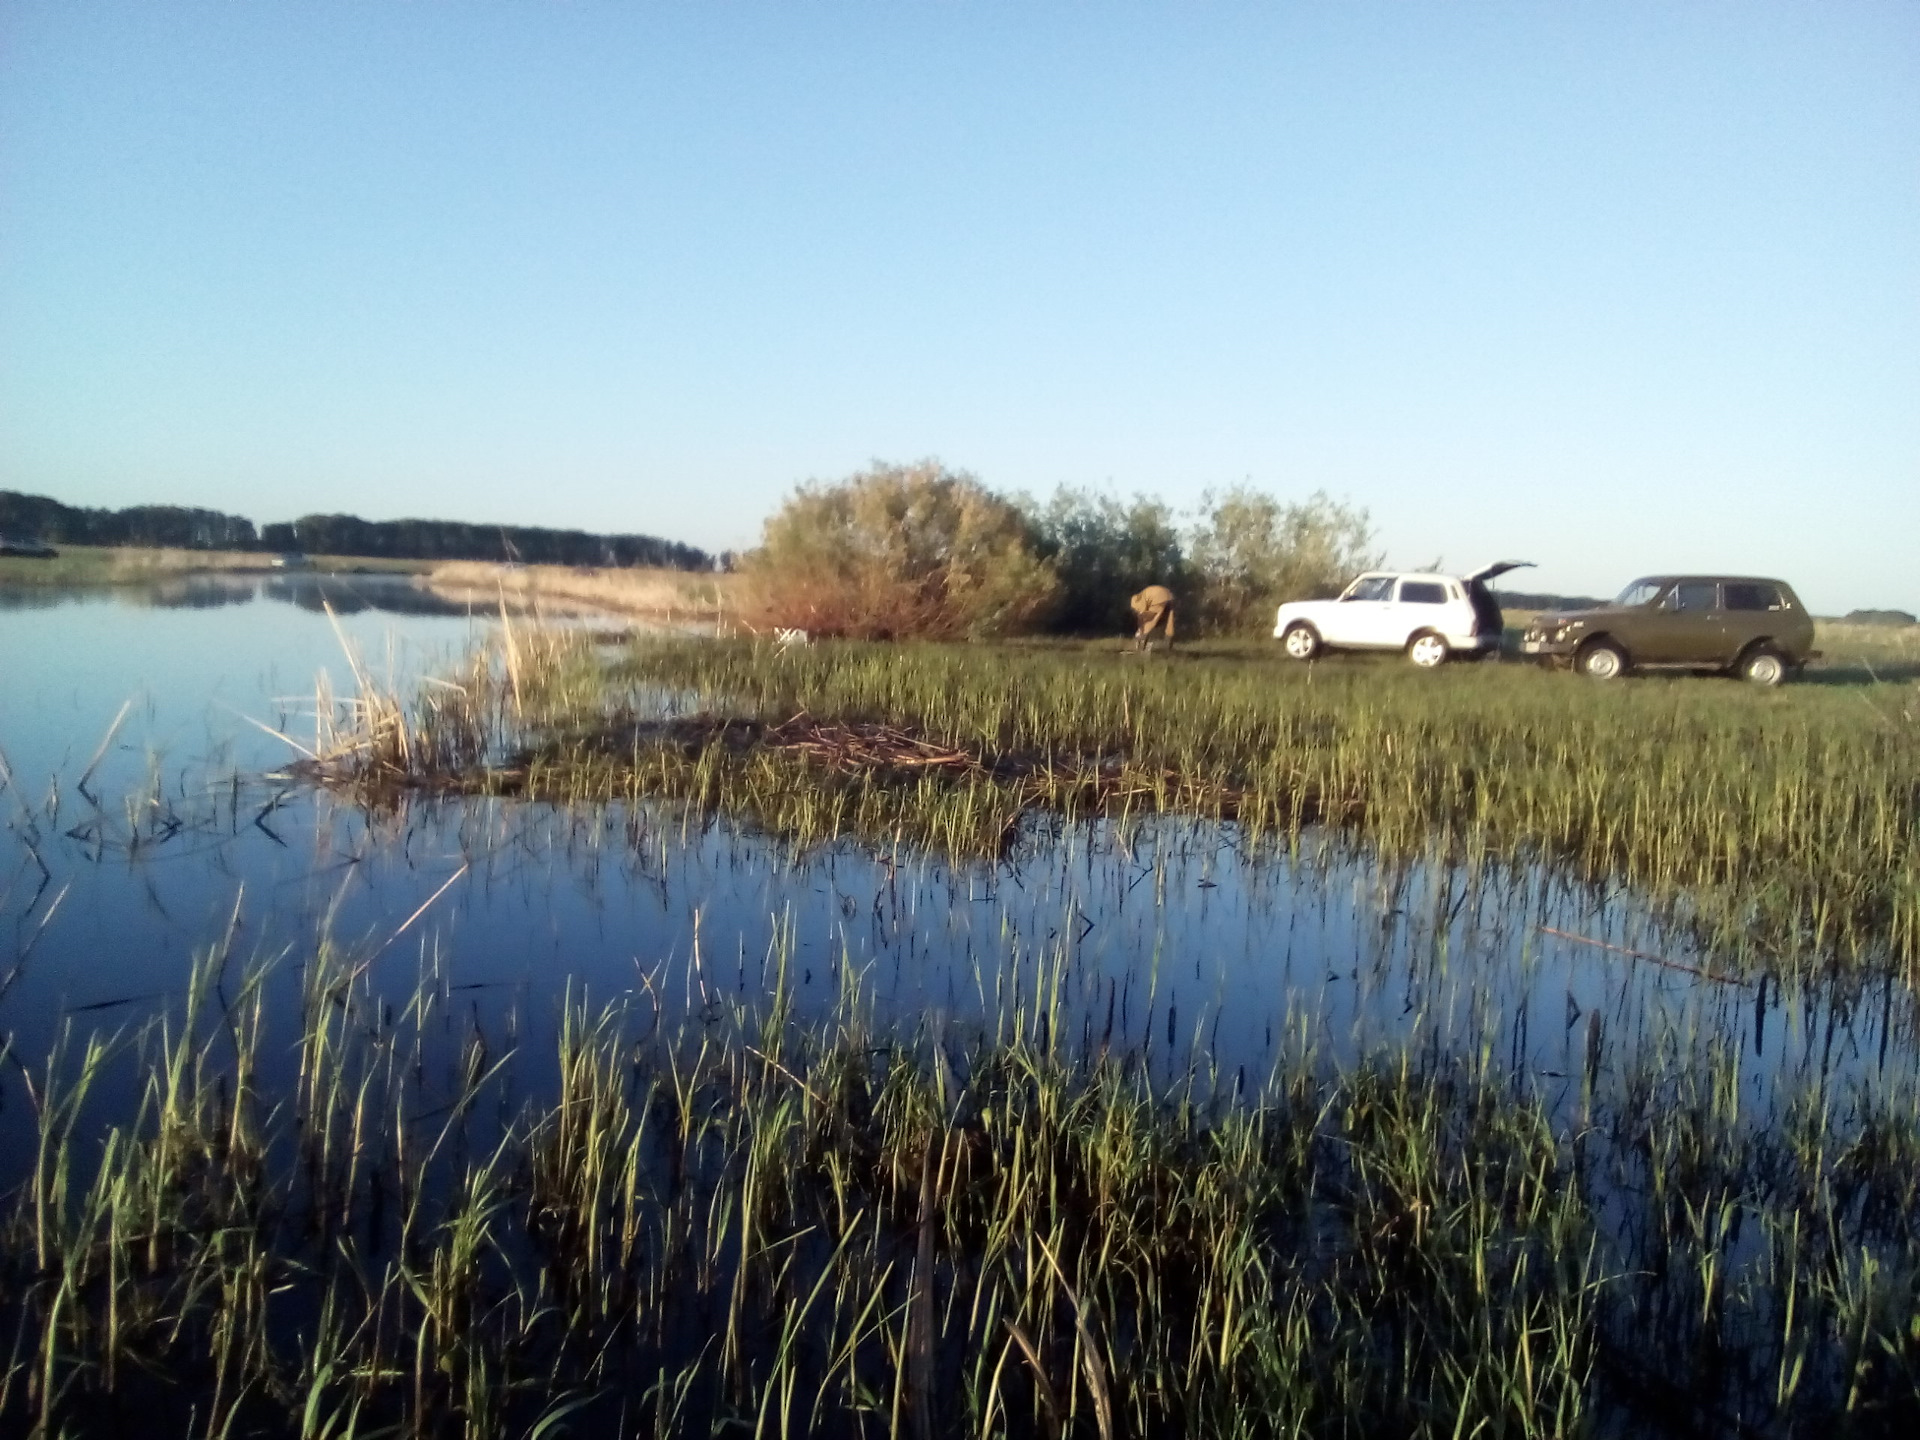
(1694, 596)
(1641, 592)
(1750, 595)
(1422, 592)
(1370, 587)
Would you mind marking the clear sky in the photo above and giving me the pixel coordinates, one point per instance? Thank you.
(1617, 287)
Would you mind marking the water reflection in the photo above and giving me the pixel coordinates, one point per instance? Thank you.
(1163, 942)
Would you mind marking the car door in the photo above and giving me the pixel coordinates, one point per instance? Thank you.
(1750, 610)
(1686, 627)
(1356, 618)
(1419, 604)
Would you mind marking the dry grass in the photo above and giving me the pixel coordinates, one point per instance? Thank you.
(82, 565)
(670, 595)
(120, 565)
(1842, 641)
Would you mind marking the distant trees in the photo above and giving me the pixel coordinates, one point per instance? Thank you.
(457, 540)
(1543, 600)
(173, 526)
(899, 550)
(190, 529)
(1881, 617)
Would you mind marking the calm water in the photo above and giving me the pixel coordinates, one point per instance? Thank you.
(1164, 942)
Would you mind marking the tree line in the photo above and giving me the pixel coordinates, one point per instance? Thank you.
(188, 528)
(174, 526)
(922, 550)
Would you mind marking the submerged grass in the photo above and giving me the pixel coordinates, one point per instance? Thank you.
(749, 1226)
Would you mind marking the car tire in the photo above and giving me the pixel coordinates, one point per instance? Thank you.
(1428, 651)
(1763, 666)
(1301, 642)
(1601, 660)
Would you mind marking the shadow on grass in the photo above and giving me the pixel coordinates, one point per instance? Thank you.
(1861, 672)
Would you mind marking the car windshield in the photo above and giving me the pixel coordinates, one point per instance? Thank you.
(1370, 587)
(1641, 592)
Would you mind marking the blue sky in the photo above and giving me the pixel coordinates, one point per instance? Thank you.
(1617, 287)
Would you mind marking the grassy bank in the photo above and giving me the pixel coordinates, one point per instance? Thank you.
(668, 596)
(827, 1232)
(89, 565)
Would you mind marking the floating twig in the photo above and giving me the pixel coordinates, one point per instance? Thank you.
(1641, 955)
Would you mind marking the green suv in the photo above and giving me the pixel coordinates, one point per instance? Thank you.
(1750, 627)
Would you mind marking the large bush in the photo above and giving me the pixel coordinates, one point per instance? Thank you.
(899, 550)
(1250, 552)
(1104, 551)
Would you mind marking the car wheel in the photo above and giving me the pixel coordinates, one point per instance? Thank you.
(1301, 641)
(1763, 667)
(1602, 660)
(1429, 652)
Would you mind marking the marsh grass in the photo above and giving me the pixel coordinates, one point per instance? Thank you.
(743, 1223)
(455, 732)
(1781, 822)
(1782, 825)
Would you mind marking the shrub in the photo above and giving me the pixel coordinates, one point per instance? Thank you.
(1250, 552)
(1104, 551)
(898, 550)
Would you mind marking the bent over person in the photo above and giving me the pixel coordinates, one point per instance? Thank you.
(1150, 607)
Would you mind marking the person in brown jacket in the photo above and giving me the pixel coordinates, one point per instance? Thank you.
(1150, 607)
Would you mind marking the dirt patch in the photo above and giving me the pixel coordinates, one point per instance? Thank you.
(892, 752)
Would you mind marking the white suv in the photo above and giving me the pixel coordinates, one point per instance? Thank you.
(1431, 617)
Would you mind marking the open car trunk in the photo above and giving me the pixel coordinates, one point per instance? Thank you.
(1487, 619)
